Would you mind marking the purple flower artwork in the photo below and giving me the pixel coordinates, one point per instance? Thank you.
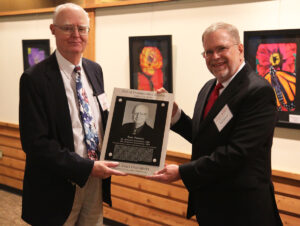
(35, 55)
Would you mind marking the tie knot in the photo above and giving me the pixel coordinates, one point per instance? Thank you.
(77, 69)
(218, 87)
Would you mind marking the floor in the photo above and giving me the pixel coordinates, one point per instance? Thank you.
(10, 209)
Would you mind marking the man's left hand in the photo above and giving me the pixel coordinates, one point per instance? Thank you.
(168, 174)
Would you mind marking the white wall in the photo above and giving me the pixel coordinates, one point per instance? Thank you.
(12, 31)
(185, 21)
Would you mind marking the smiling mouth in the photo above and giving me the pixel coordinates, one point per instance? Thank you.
(217, 65)
(75, 42)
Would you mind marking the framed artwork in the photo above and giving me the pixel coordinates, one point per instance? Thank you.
(151, 62)
(35, 51)
(275, 55)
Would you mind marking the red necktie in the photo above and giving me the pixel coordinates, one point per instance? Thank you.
(212, 98)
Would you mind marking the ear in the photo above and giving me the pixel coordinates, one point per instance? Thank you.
(52, 28)
(241, 48)
(241, 51)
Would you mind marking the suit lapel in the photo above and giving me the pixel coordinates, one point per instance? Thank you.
(200, 105)
(96, 83)
(60, 102)
(230, 92)
(92, 77)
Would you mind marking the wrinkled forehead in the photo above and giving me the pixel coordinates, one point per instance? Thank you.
(216, 38)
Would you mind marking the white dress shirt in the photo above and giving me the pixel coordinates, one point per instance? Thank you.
(68, 76)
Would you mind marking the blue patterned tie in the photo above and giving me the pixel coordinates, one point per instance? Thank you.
(91, 136)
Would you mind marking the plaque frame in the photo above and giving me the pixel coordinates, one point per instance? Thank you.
(139, 151)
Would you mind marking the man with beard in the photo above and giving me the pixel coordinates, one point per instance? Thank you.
(229, 175)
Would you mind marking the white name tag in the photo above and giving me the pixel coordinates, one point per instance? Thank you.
(103, 101)
(223, 117)
(294, 118)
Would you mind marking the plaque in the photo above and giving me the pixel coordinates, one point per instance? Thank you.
(137, 130)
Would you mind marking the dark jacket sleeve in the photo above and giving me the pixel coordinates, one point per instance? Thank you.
(42, 143)
(239, 155)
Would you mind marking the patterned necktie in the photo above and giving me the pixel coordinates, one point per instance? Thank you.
(91, 136)
(212, 98)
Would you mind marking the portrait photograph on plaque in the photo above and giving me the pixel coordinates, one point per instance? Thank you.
(137, 130)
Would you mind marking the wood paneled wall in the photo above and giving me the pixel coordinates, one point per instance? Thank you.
(138, 201)
(89, 51)
(12, 163)
(21, 7)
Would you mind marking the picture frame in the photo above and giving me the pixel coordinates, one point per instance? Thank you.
(151, 62)
(275, 55)
(35, 51)
(137, 130)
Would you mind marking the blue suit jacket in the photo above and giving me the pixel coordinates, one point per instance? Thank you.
(52, 166)
(229, 175)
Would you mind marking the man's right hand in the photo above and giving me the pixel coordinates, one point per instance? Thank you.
(103, 169)
(175, 106)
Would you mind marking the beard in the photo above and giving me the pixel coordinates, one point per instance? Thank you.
(221, 72)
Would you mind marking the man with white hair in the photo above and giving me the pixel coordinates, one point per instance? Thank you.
(62, 121)
(139, 126)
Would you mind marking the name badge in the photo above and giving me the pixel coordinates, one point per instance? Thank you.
(223, 118)
(103, 101)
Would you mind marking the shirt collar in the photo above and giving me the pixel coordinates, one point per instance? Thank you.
(66, 66)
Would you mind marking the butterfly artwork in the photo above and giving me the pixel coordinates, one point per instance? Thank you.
(276, 62)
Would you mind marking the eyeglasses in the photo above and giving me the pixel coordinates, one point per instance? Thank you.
(70, 29)
(218, 50)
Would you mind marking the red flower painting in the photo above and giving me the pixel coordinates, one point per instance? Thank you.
(276, 62)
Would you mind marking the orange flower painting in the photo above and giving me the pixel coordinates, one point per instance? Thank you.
(151, 62)
(151, 76)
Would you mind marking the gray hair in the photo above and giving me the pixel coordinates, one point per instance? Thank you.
(61, 7)
(232, 30)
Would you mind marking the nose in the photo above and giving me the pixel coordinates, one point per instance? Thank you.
(216, 54)
(75, 32)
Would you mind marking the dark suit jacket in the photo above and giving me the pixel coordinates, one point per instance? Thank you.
(229, 176)
(52, 166)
